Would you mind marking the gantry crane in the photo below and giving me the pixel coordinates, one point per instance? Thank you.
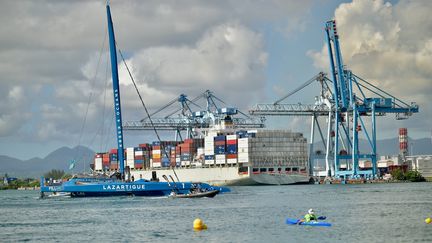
(185, 119)
(346, 103)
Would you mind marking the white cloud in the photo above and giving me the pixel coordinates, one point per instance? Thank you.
(12, 109)
(228, 58)
(385, 44)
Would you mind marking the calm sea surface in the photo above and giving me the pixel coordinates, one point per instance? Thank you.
(359, 213)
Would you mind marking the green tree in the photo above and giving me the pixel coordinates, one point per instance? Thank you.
(398, 174)
(54, 174)
(414, 176)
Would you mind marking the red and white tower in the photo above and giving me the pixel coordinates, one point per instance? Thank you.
(403, 141)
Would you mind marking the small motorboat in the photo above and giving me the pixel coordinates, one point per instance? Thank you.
(59, 194)
(195, 194)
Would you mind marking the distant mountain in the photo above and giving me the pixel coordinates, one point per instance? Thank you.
(58, 159)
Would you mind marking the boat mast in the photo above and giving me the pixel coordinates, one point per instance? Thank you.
(116, 90)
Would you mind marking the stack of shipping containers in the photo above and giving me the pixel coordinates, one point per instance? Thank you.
(188, 150)
(262, 148)
(163, 153)
(105, 161)
(243, 150)
(98, 162)
(156, 155)
(130, 158)
(271, 148)
(178, 155)
(113, 159)
(209, 155)
(146, 150)
(231, 149)
(172, 155)
(220, 149)
(138, 158)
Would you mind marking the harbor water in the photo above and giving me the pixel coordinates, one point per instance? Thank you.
(359, 213)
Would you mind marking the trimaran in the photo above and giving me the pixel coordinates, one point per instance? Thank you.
(87, 186)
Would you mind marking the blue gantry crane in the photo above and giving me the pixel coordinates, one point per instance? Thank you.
(351, 105)
(186, 118)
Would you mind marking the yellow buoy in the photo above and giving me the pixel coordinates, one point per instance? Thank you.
(198, 224)
(428, 220)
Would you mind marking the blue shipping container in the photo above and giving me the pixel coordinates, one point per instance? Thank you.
(165, 164)
(220, 138)
(232, 149)
(209, 157)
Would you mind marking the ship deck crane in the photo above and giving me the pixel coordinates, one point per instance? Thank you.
(346, 102)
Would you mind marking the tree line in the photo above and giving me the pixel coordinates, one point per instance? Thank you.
(31, 182)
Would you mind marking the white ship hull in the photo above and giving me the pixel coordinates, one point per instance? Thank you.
(226, 176)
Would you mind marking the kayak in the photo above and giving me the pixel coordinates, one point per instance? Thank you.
(311, 223)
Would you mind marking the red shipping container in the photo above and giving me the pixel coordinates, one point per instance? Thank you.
(139, 157)
(187, 145)
(188, 141)
(113, 151)
(219, 143)
(156, 147)
(231, 156)
(231, 142)
(144, 145)
(113, 166)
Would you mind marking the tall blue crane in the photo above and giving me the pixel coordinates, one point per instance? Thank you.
(350, 106)
(346, 101)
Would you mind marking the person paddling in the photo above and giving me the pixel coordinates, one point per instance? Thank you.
(308, 217)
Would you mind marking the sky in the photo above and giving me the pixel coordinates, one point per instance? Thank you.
(55, 82)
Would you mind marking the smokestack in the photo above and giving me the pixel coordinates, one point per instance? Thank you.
(403, 141)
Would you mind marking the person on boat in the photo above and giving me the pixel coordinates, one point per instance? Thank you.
(310, 216)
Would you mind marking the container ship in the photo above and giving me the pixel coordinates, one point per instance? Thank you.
(222, 156)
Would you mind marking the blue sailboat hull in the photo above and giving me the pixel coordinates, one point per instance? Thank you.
(84, 187)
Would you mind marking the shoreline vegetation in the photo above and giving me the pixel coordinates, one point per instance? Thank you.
(10, 183)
